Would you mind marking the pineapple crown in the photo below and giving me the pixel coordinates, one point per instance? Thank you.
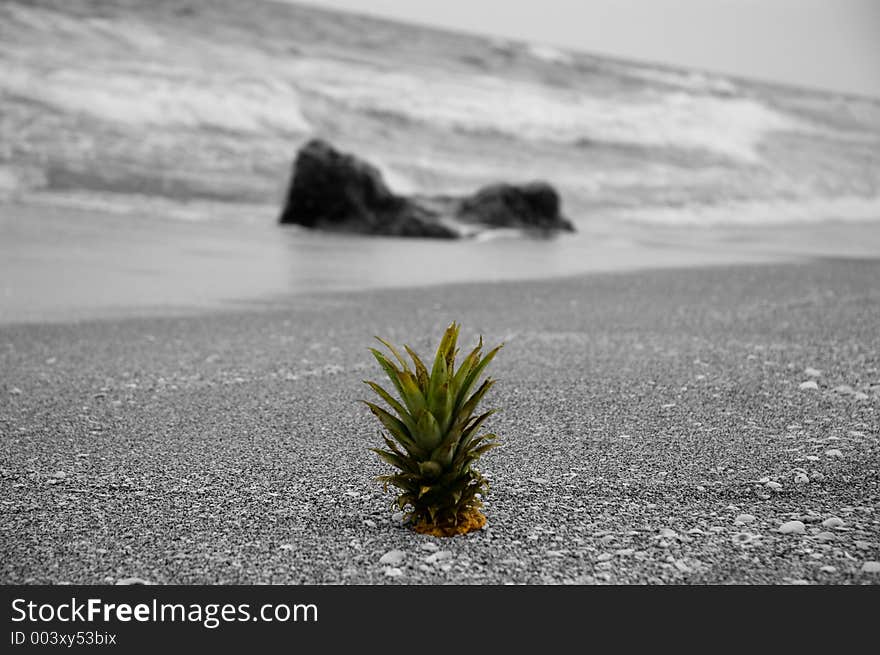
(434, 430)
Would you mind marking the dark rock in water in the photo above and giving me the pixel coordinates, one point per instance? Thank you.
(530, 206)
(331, 190)
(335, 191)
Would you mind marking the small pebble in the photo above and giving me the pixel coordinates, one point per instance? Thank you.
(809, 385)
(843, 388)
(429, 546)
(801, 478)
(668, 533)
(132, 581)
(833, 452)
(745, 538)
(833, 522)
(825, 536)
(682, 566)
(392, 557)
(393, 572)
(813, 372)
(828, 569)
(792, 527)
(439, 556)
(743, 519)
(871, 567)
(774, 485)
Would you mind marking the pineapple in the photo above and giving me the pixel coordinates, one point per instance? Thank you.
(434, 438)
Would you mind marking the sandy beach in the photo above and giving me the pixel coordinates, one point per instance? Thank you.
(656, 428)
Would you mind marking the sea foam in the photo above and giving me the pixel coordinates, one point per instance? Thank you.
(731, 127)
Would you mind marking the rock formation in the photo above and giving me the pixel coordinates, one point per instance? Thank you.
(335, 191)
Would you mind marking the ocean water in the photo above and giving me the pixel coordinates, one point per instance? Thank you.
(145, 149)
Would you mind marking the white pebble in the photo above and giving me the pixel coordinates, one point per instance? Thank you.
(871, 567)
(833, 452)
(668, 533)
(429, 546)
(809, 385)
(439, 556)
(742, 519)
(392, 557)
(745, 538)
(393, 572)
(813, 372)
(828, 569)
(801, 478)
(833, 522)
(682, 566)
(792, 527)
(775, 486)
(128, 581)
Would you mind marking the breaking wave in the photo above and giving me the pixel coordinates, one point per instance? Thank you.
(732, 127)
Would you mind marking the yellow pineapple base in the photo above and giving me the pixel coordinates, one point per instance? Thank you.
(467, 522)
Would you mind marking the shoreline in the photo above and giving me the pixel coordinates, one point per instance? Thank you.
(60, 265)
(641, 415)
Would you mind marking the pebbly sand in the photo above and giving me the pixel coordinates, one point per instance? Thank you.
(643, 413)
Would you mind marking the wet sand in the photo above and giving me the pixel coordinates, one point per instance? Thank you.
(60, 263)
